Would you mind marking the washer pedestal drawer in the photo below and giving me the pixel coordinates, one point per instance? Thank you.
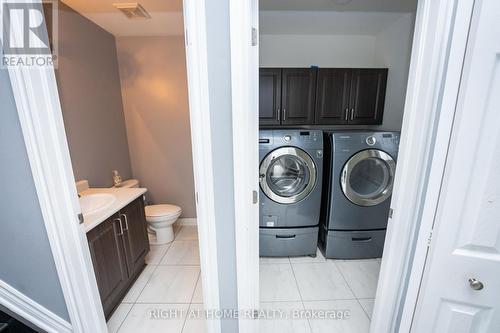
(353, 244)
(288, 242)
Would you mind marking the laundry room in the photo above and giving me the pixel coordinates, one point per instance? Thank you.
(332, 83)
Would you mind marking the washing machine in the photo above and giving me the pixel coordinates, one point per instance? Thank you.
(357, 193)
(291, 176)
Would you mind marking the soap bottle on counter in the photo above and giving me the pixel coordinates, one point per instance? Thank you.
(117, 179)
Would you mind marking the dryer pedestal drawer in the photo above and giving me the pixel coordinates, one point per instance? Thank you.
(354, 244)
(288, 242)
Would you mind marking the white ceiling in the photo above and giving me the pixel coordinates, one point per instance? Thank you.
(341, 5)
(166, 17)
(325, 22)
(276, 16)
(106, 6)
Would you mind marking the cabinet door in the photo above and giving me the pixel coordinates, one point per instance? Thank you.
(135, 235)
(332, 96)
(367, 96)
(269, 96)
(298, 93)
(108, 257)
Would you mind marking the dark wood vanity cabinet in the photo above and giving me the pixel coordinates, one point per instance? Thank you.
(108, 257)
(135, 235)
(118, 247)
(324, 96)
(286, 96)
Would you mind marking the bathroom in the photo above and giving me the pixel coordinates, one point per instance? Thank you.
(124, 98)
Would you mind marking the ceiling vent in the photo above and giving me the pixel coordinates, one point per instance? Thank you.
(132, 10)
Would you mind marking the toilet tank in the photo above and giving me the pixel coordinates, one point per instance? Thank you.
(129, 183)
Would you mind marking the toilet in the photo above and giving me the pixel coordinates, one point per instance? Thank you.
(160, 218)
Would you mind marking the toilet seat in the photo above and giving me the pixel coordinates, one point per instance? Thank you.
(157, 213)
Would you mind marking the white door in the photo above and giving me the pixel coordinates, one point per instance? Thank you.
(460, 291)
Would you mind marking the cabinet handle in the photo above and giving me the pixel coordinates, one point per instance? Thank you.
(121, 228)
(279, 117)
(352, 114)
(284, 114)
(126, 221)
(346, 114)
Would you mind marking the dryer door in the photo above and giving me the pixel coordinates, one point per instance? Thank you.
(287, 175)
(367, 177)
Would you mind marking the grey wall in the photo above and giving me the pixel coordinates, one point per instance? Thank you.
(90, 94)
(394, 52)
(389, 48)
(219, 72)
(26, 261)
(155, 98)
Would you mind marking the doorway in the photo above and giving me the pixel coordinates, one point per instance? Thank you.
(333, 80)
(414, 158)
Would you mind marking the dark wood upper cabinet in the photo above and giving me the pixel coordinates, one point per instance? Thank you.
(367, 96)
(270, 96)
(108, 257)
(118, 247)
(135, 235)
(298, 94)
(332, 96)
(325, 96)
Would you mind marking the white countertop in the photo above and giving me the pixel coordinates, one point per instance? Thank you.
(124, 196)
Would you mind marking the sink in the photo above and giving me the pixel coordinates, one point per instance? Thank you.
(93, 203)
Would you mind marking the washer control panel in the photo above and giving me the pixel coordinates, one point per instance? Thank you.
(301, 136)
(371, 140)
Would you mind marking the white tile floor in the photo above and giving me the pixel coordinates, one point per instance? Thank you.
(304, 285)
(170, 285)
(331, 287)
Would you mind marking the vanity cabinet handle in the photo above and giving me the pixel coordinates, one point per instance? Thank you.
(121, 227)
(346, 114)
(352, 114)
(126, 221)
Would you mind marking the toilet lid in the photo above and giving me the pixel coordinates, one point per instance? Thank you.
(162, 210)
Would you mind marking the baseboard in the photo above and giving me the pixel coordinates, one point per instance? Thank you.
(30, 310)
(187, 221)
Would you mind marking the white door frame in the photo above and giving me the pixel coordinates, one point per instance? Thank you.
(197, 68)
(438, 50)
(245, 103)
(38, 106)
(449, 96)
(37, 100)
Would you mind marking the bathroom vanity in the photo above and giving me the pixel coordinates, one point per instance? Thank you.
(118, 243)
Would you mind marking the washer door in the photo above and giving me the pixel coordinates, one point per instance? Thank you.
(367, 177)
(287, 175)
